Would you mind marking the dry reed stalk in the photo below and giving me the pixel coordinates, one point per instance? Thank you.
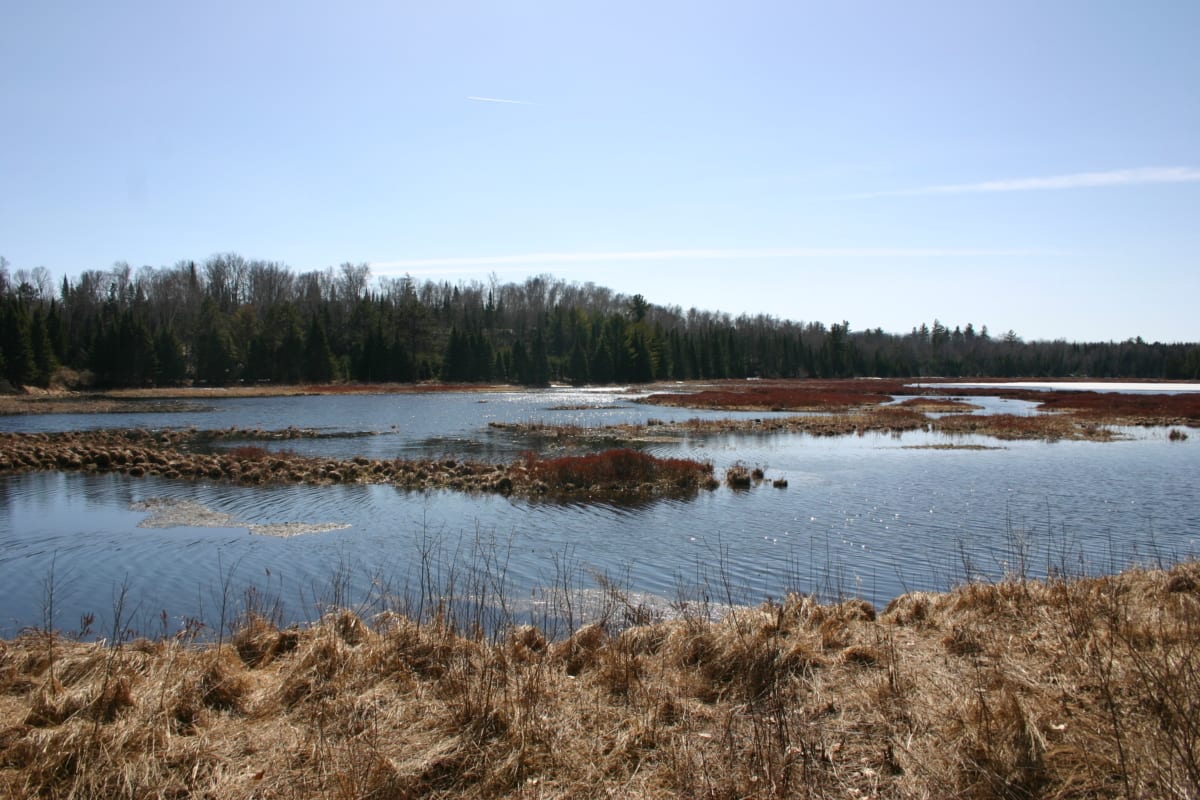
(1067, 688)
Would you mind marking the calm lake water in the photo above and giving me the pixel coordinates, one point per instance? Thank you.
(871, 516)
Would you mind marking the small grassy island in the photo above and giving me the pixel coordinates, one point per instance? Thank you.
(617, 474)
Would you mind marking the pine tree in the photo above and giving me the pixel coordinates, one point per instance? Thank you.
(539, 364)
(170, 366)
(578, 368)
(214, 349)
(318, 358)
(520, 363)
(44, 359)
(19, 366)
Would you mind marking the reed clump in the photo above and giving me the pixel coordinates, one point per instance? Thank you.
(1088, 687)
(737, 476)
(1049, 427)
(619, 472)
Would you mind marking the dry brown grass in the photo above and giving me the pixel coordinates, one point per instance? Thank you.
(1050, 427)
(885, 419)
(937, 405)
(1079, 688)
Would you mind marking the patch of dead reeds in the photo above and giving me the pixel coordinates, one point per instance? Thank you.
(1088, 687)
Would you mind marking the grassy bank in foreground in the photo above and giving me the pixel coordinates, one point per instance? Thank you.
(1073, 688)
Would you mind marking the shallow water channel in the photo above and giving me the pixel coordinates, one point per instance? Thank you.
(870, 516)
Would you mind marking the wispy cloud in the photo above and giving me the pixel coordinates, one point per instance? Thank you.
(501, 100)
(460, 263)
(1079, 180)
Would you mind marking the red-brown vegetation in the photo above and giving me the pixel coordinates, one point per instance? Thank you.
(248, 452)
(1156, 409)
(622, 470)
(936, 404)
(837, 395)
(783, 396)
(738, 476)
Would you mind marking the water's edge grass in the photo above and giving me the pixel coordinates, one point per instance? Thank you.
(1066, 687)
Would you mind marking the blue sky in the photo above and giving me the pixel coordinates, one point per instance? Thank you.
(1032, 166)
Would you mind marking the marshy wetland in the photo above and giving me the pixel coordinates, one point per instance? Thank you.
(868, 489)
(741, 590)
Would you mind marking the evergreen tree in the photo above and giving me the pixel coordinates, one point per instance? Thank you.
(136, 352)
(456, 363)
(578, 369)
(318, 358)
(639, 361)
(19, 365)
(260, 358)
(603, 365)
(44, 359)
(214, 350)
(520, 363)
(286, 343)
(539, 364)
(170, 366)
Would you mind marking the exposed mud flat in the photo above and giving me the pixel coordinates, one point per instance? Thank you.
(166, 512)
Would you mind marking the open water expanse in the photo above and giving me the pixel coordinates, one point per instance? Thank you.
(870, 516)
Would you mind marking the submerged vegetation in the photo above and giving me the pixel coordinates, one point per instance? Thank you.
(1082, 687)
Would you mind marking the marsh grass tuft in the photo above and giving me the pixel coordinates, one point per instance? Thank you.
(737, 476)
(619, 471)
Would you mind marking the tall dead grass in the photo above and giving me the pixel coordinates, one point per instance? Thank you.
(1088, 687)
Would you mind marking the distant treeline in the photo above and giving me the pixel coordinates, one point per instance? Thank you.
(230, 320)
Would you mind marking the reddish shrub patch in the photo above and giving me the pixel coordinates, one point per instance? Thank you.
(618, 470)
(248, 452)
(1158, 406)
(815, 396)
(936, 404)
